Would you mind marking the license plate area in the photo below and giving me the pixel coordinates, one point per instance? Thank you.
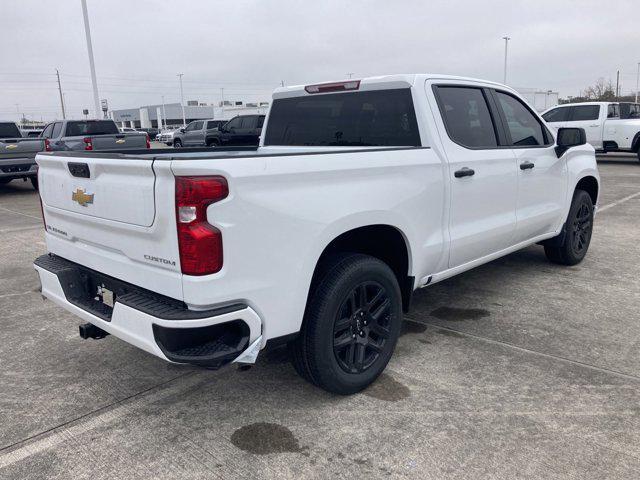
(91, 291)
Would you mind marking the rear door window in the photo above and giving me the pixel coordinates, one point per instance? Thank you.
(364, 119)
(560, 114)
(613, 111)
(248, 122)
(585, 112)
(466, 116)
(522, 126)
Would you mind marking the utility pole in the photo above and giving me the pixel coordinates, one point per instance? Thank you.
(94, 82)
(506, 48)
(637, 82)
(184, 119)
(222, 102)
(617, 84)
(60, 91)
(350, 75)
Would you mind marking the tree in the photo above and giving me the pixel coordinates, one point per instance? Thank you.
(602, 91)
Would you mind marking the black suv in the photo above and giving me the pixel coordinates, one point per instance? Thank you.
(240, 130)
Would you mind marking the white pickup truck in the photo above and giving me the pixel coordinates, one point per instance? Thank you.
(360, 192)
(610, 127)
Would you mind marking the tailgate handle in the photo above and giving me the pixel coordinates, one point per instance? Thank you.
(80, 170)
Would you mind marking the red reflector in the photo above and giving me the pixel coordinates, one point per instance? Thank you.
(47, 145)
(333, 87)
(88, 144)
(200, 243)
(148, 141)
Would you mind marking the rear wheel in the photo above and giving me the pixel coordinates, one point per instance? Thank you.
(212, 143)
(577, 236)
(351, 324)
(177, 143)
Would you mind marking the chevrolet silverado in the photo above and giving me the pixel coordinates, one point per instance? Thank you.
(360, 192)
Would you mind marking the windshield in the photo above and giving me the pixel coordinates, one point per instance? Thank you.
(371, 118)
(9, 130)
(92, 127)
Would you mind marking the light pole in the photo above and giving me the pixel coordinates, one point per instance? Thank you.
(94, 82)
(164, 114)
(184, 119)
(637, 82)
(506, 48)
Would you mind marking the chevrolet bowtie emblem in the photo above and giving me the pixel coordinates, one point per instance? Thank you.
(120, 141)
(11, 147)
(82, 197)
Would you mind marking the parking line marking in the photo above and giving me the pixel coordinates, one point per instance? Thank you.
(20, 213)
(69, 430)
(618, 202)
(526, 350)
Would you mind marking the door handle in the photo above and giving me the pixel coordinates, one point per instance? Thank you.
(526, 165)
(596, 125)
(464, 172)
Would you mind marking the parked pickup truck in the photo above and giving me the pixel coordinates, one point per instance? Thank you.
(360, 192)
(89, 135)
(610, 127)
(17, 155)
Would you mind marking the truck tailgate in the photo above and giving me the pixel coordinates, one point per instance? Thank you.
(20, 147)
(100, 211)
(119, 141)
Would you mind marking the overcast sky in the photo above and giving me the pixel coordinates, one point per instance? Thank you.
(249, 47)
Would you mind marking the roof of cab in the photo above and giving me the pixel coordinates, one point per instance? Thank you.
(405, 80)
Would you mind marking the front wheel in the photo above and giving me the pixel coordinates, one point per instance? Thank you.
(177, 144)
(577, 236)
(351, 324)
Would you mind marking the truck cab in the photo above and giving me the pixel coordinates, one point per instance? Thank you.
(609, 126)
(243, 130)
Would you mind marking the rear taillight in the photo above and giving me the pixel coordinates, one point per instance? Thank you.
(200, 242)
(88, 143)
(333, 87)
(148, 141)
(47, 145)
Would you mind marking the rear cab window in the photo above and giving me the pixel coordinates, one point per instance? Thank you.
(91, 127)
(9, 130)
(375, 118)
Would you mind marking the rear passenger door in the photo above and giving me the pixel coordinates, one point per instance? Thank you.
(542, 176)
(194, 134)
(483, 174)
(588, 117)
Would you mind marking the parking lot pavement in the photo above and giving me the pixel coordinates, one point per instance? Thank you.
(517, 369)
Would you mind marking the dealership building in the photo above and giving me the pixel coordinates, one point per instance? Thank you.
(170, 114)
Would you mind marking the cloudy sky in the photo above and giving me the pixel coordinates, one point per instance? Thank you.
(249, 47)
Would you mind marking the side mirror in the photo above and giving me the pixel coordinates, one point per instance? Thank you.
(569, 137)
(182, 130)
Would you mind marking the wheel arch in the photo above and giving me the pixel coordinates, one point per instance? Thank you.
(383, 241)
(590, 185)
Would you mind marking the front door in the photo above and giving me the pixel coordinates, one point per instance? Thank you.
(482, 175)
(193, 133)
(542, 176)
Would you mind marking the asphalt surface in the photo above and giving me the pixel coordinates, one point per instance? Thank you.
(517, 369)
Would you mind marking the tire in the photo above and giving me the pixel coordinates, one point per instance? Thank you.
(351, 324)
(577, 236)
(4, 181)
(34, 182)
(212, 144)
(177, 143)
